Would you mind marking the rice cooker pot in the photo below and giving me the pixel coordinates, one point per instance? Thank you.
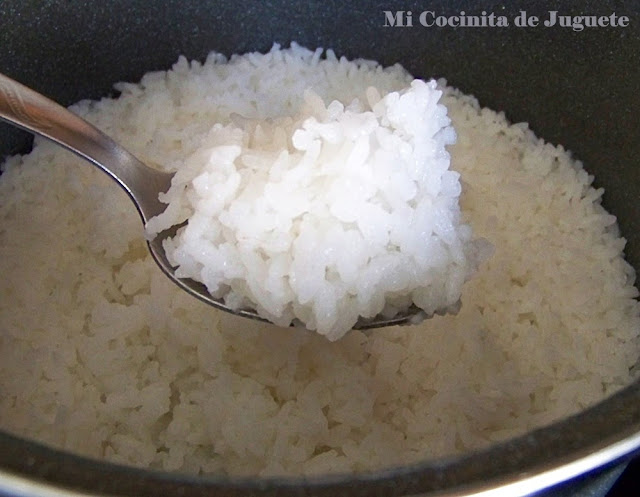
(576, 85)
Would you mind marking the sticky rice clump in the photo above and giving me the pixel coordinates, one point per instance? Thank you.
(334, 212)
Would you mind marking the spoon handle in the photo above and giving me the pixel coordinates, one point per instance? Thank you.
(36, 113)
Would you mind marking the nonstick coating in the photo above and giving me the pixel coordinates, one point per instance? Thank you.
(577, 88)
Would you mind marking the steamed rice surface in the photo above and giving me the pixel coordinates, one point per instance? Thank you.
(100, 354)
(339, 210)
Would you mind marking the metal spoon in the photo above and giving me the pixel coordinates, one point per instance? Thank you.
(36, 113)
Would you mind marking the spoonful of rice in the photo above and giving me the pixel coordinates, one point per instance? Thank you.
(336, 217)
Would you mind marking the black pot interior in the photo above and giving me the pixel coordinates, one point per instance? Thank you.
(577, 88)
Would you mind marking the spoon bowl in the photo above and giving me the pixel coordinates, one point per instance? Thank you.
(29, 110)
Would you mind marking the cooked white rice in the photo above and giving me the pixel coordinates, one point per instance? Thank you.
(338, 211)
(102, 355)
